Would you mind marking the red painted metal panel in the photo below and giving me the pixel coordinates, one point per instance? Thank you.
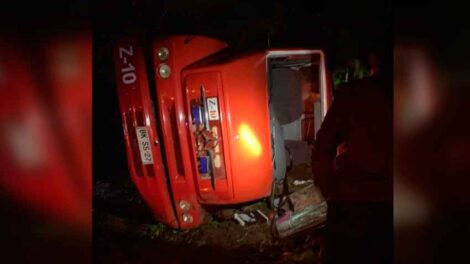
(243, 97)
(183, 51)
(139, 124)
(246, 100)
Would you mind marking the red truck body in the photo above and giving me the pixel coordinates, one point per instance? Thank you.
(203, 136)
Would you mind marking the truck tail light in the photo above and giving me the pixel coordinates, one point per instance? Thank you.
(163, 53)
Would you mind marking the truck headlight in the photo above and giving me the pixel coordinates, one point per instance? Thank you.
(164, 71)
(163, 53)
(187, 218)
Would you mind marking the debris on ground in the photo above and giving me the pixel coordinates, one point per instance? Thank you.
(302, 182)
(125, 231)
(251, 217)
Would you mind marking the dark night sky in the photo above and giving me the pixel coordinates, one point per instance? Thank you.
(246, 24)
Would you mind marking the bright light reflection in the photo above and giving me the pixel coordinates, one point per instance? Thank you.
(249, 140)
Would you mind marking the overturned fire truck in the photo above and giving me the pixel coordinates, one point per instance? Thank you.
(204, 128)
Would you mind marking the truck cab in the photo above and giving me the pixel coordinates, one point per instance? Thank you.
(204, 127)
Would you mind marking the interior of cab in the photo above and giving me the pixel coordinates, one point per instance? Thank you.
(295, 108)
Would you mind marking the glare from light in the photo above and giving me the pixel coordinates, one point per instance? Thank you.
(249, 140)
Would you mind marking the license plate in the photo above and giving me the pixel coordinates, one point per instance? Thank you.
(144, 145)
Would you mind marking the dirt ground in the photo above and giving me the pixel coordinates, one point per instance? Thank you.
(125, 232)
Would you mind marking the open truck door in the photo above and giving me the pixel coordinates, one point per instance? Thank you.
(209, 138)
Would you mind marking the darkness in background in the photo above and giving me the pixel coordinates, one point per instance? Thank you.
(440, 171)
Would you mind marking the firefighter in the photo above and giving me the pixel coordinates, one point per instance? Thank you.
(359, 189)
